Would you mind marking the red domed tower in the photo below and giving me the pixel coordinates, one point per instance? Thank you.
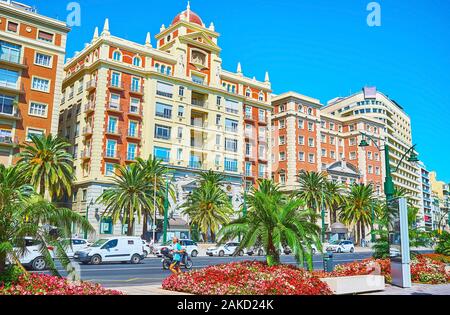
(189, 16)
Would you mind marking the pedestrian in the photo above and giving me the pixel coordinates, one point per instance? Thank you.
(177, 255)
(363, 242)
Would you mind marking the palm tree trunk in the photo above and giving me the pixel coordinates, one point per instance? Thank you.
(358, 232)
(144, 227)
(273, 257)
(213, 236)
(363, 230)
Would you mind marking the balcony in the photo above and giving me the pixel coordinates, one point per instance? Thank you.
(111, 154)
(262, 121)
(114, 107)
(195, 164)
(10, 112)
(249, 118)
(134, 135)
(9, 141)
(118, 86)
(13, 61)
(165, 94)
(112, 132)
(231, 129)
(85, 155)
(89, 108)
(131, 157)
(136, 90)
(165, 114)
(135, 112)
(12, 88)
(87, 131)
(198, 99)
(91, 85)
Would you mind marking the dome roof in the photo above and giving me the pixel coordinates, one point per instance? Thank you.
(193, 17)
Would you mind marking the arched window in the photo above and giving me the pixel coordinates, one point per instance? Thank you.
(137, 61)
(163, 69)
(233, 89)
(169, 71)
(309, 111)
(117, 56)
(261, 96)
(248, 93)
(157, 67)
(228, 87)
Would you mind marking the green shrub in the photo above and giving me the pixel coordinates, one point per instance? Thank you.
(10, 275)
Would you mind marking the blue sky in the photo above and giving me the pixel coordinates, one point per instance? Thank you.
(321, 48)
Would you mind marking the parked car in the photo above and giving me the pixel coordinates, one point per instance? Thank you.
(32, 258)
(190, 246)
(146, 248)
(342, 246)
(256, 250)
(228, 249)
(112, 249)
(75, 244)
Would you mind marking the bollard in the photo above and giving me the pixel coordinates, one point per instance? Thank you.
(328, 265)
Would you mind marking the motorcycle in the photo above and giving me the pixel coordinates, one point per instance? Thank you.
(167, 260)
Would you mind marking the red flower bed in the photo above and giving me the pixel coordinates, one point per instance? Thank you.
(247, 278)
(38, 284)
(438, 257)
(423, 270)
(426, 270)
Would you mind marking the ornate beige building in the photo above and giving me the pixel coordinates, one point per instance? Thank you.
(124, 100)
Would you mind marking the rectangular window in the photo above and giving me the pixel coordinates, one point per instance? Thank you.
(301, 124)
(218, 139)
(181, 91)
(134, 105)
(180, 133)
(323, 139)
(248, 169)
(311, 142)
(231, 106)
(179, 154)
(282, 124)
(32, 131)
(13, 27)
(162, 132)
(43, 60)
(38, 109)
(164, 89)
(324, 153)
(163, 110)
(282, 140)
(282, 156)
(112, 125)
(231, 165)
(9, 78)
(248, 112)
(10, 52)
(115, 79)
(248, 149)
(111, 149)
(162, 154)
(262, 115)
(311, 158)
(332, 154)
(231, 125)
(109, 169)
(131, 152)
(40, 84)
(310, 126)
(262, 171)
(46, 37)
(301, 140)
(231, 145)
(180, 111)
(136, 85)
(352, 155)
(132, 129)
(218, 119)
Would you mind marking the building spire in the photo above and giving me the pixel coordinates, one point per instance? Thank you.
(95, 34)
(266, 78)
(239, 68)
(188, 10)
(106, 28)
(148, 41)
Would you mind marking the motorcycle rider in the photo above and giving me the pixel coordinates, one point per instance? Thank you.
(177, 256)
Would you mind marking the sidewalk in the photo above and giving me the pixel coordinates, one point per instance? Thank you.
(417, 289)
(146, 290)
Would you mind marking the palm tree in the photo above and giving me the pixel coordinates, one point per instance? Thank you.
(48, 164)
(129, 196)
(274, 221)
(24, 213)
(311, 189)
(208, 207)
(212, 177)
(156, 174)
(333, 198)
(358, 208)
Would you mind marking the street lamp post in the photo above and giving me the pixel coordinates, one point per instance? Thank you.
(389, 188)
(323, 218)
(154, 210)
(373, 222)
(87, 217)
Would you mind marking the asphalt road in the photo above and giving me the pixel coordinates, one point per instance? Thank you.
(150, 272)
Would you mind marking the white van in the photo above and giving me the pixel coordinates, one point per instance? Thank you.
(112, 249)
